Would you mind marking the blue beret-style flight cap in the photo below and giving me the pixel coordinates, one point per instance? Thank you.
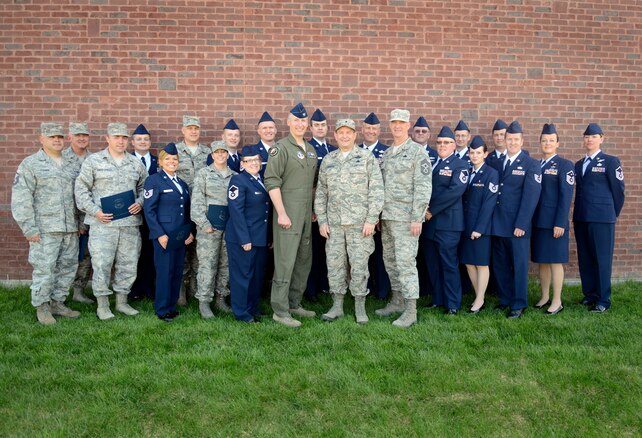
(514, 128)
(592, 129)
(446, 132)
(299, 111)
(318, 116)
(477, 142)
(266, 117)
(499, 125)
(141, 130)
(421, 123)
(549, 129)
(171, 149)
(372, 119)
(462, 126)
(250, 150)
(231, 125)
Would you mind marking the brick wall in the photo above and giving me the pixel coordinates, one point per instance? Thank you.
(567, 62)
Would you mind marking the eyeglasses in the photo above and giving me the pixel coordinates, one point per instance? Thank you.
(252, 160)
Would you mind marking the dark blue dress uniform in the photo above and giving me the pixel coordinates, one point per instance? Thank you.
(378, 282)
(441, 234)
(464, 157)
(166, 209)
(599, 199)
(318, 278)
(495, 161)
(145, 273)
(479, 202)
(432, 154)
(558, 178)
(263, 153)
(518, 194)
(249, 207)
(233, 162)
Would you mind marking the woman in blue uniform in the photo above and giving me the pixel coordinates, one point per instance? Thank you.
(549, 242)
(247, 236)
(479, 203)
(166, 208)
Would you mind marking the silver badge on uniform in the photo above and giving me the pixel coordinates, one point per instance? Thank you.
(233, 192)
(300, 155)
(619, 173)
(426, 168)
(570, 177)
(538, 178)
(148, 193)
(463, 176)
(492, 187)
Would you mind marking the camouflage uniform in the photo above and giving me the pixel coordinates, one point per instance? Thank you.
(187, 170)
(210, 188)
(407, 175)
(349, 193)
(116, 243)
(84, 266)
(42, 202)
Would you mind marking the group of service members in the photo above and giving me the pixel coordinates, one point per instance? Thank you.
(216, 220)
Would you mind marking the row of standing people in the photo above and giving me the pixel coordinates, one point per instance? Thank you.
(434, 248)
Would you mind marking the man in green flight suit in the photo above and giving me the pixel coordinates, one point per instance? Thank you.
(289, 179)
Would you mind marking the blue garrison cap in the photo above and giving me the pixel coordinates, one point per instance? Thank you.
(141, 130)
(549, 129)
(317, 116)
(592, 129)
(499, 125)
(171, 149)
(250, 150)
(299, 111)
(266, 117)
(421, 123)
(231, 125)
(372, 119)
(476, 142)
(462, 126)
(446, 132)
(514, 128)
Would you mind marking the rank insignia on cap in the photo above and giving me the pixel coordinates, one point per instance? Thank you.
(273, 152)
(570, 177)
(300, 155)
(148, 193)
(619, 173)
(463, 177)
(538, 178)
(233, 192)
(492, 187)
(426, 168)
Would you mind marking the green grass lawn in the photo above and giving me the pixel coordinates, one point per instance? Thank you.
(574, 374)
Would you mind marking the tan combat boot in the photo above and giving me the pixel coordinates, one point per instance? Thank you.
(286, 321)
(221, 305)
(395, 305)
(300, 311)
(44, 315)
(59, 308)
(103, 311)
(182, 298)
(206, 311)
(336, 311)
(360, 309)
(123, 307)
(79, 296)
(409, 316)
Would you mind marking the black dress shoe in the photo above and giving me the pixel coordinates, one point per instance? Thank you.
(541, 306)
(598, 308)
(450, 312)
(166, 317)
(587, 302)
(475, 312)
(501, 307)
(556, 311)
(514, 314)
(174, 313)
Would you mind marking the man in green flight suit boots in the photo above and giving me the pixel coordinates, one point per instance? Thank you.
(289, 179)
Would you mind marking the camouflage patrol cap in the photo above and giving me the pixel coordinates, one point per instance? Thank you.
(117, 129)
(191, 121)
(76, 128)
(219, 144)
(52, 130)
(345, 122)
(400, 114)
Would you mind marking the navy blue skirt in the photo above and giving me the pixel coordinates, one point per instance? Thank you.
(474, 252)
(547, 249)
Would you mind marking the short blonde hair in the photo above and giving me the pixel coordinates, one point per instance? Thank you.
(161, 156)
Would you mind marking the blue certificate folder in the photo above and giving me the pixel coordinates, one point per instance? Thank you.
(118, 204)
(218, 215)
(178, 236)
